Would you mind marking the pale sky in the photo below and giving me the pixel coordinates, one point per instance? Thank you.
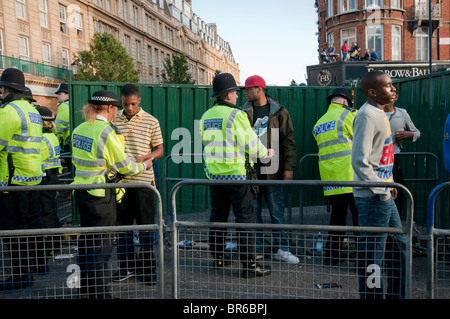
(274, 39)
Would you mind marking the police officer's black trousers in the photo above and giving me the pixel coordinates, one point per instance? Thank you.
(241, 199)
(94, 250)
(21, 210)
(340, 204)
(136, 205)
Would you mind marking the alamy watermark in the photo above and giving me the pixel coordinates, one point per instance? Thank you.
(238, 143)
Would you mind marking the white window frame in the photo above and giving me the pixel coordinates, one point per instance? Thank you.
(422, 52)
(24, 47)
(396, 42)
(350, 38)
(62, 13)
(396, 4)
(21, 9)
(46, 53)
(65, 58)
(374, 3)
(371, 43)
(349, 4)
(1, 43)
(330, 8)
(43, 13)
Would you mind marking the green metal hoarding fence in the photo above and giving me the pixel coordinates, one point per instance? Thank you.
(427, 99)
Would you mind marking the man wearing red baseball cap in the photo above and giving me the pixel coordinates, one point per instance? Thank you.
(267, 116)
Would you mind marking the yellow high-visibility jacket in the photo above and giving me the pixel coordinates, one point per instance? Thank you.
(227, 137)
(50, 152)
(20, 139)
(97, 149)
(62, 122)
(334, 133)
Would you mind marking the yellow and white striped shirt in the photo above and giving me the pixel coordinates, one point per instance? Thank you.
(142, 133)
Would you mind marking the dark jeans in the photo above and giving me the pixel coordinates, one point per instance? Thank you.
(398, 178)
(339, 207)
(137, 205)
(94, 250)
(241, 199)
(21, 210)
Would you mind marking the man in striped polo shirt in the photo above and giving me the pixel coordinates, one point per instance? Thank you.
(143, 141)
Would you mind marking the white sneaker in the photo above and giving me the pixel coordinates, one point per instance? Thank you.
(286, 256)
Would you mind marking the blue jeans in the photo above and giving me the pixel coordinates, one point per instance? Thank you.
(274, 197)
(374, 212)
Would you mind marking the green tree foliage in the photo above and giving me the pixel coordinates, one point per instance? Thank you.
(106, 61)
(293, 83)
(176, 70)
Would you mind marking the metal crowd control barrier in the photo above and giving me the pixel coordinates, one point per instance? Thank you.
(57, 249)
(438, 250)
(436, 179)
(193, 277)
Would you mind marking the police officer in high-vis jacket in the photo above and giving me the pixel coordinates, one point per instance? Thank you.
(334, 134)
(20, 165)
(227, 137)
(98, 149)
(63, 115)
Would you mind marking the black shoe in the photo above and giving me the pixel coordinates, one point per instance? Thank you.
(255, 270)
(19, 282)
(220, 261)
(122, 274)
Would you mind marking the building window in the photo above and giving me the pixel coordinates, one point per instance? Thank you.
(65, 58)
(138, 50)
(149, 22)
(127, 43)
(79, 25)
(347, 5)
(330, 8)
(374, 3)
(422, 44)
(156, 56)
(46, 53)
(375, 39)
(149, 55)
(396, 43)
(21, 9)
(62, 19)
(396, 4)
(125, 9)
(24, 48)
(161, 60)
(349, 35)
(2, 52)
(136, 16)
(43, 13)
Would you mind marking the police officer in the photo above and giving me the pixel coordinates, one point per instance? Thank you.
(20, 165)
(63, 115)
(227, 136)
(334, 133)
(98, 148)
(51, 167)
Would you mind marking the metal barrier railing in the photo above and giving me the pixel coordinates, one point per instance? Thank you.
(178, 225)
(438, 253)
(39, 238)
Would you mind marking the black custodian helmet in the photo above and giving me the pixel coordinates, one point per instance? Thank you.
(224, 83)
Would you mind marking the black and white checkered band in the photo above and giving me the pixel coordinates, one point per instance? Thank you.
(103, 99)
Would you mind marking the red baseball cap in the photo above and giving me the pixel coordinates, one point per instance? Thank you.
(255, 80)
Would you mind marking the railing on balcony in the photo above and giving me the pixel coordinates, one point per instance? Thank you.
(421, 11)
(35, 68)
